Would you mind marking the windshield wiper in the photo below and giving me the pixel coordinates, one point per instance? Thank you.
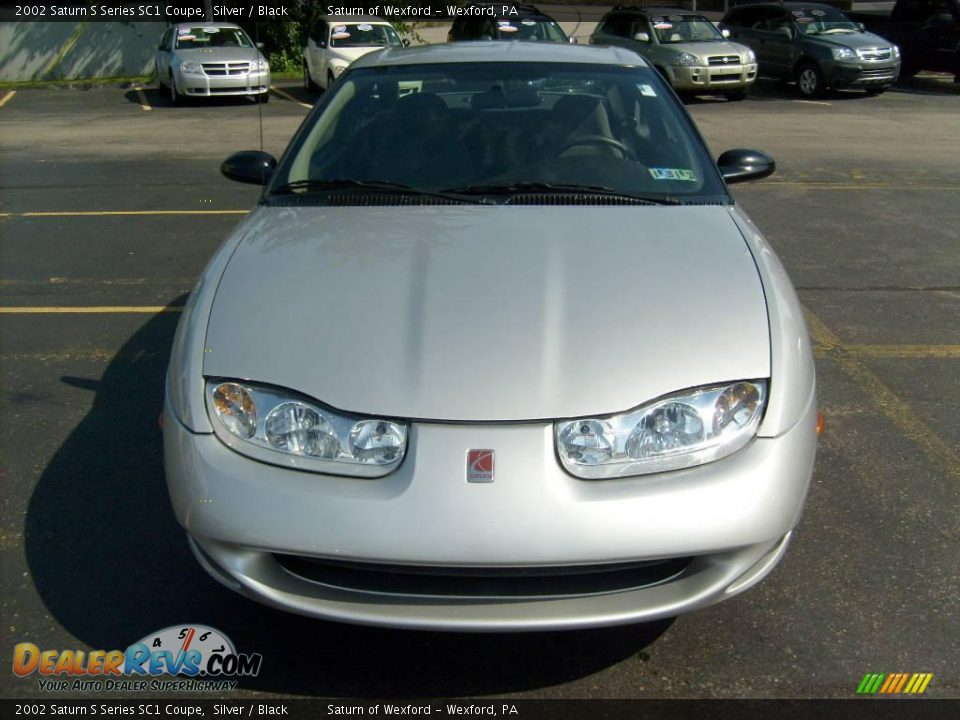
(518, 188)
(317, 186)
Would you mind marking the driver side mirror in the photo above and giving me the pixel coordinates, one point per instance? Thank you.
(249, 166)
(642, 37)
(741, 165)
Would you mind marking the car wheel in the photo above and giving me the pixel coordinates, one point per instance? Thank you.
(735, 95)
(810, 80)
(308, 82)
(175, 98)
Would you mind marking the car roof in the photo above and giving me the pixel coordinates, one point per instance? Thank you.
(353, 19)
(655, 10)
(785, 5)
(203, 24)
(501, 51)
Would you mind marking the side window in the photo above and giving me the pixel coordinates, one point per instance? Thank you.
(319, 34)
(618, 25)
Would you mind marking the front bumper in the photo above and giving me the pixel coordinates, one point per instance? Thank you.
(722, 527)
(712, 78)
(202, 85)
(862, 74)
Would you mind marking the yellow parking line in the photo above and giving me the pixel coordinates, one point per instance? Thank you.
(6, 98)
(91, 310)
(108, 213)
(895, 409)
(904, 351)
(290, 97)
(143, 98)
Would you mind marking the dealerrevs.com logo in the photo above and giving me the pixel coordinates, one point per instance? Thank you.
(203, 655)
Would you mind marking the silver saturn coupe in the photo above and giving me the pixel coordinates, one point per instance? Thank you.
(496, 350)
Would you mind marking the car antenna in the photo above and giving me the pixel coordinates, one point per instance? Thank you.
(256, 46)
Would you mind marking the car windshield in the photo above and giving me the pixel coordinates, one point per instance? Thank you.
(536, 30)
(822, 20)
(499, 128)
(672, 29)
(210, 37)
(363, 35)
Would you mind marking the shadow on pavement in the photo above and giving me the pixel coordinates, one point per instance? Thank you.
(112, 565)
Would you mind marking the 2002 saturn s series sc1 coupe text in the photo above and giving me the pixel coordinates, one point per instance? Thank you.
(496, 350)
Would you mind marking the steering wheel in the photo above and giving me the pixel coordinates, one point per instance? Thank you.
(598, 140)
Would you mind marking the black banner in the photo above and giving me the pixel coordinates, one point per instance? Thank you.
(503, 709)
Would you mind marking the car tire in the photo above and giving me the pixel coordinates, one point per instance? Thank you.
(810, 82)
(735, 95)
(308, 83)
(175, 98)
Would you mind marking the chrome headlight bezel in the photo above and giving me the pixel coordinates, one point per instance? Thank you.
(344, 426)
(751, 57)
(260, 66)
(686, 59)
(622, 429)
(844, 54)
(191, 68)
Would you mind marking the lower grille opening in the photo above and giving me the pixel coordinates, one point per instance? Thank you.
(483, 583)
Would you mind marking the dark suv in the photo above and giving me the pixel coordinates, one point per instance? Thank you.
(528, 24)
(816, 45)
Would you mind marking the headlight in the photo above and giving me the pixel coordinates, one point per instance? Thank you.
(751, 56)
(191, 68)
(686, 59)
(284, 428)
(844, 54)
(895, 50)
(682, 430)
(260, 66)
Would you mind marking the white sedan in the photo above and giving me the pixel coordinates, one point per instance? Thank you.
(334, 43)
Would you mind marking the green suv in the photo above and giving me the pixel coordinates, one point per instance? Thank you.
(816, 45)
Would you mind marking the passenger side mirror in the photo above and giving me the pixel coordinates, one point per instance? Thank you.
(642, 37)
(725, 33)
(249, 166)
(741, 165)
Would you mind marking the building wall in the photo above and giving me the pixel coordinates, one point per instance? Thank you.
(81, 50)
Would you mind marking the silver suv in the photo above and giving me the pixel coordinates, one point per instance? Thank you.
(688, 50)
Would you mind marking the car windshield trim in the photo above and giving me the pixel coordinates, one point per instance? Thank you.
(312, 186)
(526, 188)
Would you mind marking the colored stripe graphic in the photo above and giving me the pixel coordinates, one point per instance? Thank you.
(894, 683)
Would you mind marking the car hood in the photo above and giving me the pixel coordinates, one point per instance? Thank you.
(706, 49)
(473, 313)
(219, 54)
(350, 54)
(855, 41)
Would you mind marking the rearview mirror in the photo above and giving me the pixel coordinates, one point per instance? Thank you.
(642, 37)
(249, 166)
(741, 165)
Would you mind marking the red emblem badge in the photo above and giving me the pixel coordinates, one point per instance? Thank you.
(479, 466)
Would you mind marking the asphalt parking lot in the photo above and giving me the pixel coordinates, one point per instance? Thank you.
(111, 202)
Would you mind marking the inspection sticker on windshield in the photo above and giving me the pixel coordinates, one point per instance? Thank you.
(339, 28)
(211, 31)
(673, 174)
(663, 26)
(528, 23)
(365, 27)
(646, 90)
